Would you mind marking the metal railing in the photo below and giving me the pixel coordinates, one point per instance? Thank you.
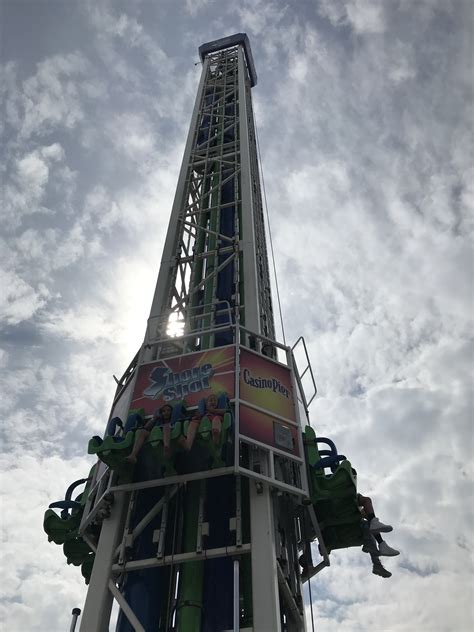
(300, 376)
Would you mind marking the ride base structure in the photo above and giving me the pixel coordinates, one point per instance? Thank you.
(213, 534)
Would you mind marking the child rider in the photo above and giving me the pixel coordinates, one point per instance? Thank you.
(214, 415)
(162, 417)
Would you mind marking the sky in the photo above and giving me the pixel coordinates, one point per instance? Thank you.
(364, 115)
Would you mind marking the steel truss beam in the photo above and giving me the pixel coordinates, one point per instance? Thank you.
(181, 558)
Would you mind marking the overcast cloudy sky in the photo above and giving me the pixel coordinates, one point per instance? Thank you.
(364, 110)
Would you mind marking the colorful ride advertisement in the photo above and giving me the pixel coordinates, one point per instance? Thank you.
(266, 384)
(189, 377)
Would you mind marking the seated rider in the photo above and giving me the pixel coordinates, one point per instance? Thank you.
(374, 544)
(162, 417)
(373, 541)
(214, 415)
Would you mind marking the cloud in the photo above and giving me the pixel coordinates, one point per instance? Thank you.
(366, 16)
(20, 301)
(259, 16)
(193, 7)
(57, 401)
(32, 172)
(26, 186)
(33, 578)
(363, 16)
(345, 597)
(113, 28)
(138, 144)
(51, 97)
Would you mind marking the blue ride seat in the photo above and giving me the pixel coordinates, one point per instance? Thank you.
(112, 426)
(64, 527)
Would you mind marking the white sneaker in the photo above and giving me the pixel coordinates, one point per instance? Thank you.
(379, 570)
(375, 526)
(385, 549)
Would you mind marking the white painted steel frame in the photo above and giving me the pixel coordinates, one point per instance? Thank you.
(261, 501)
(98, 605)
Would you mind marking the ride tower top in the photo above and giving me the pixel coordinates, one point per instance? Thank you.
(229, 42)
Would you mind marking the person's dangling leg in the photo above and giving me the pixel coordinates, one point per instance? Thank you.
(140, 438)
(216, 429)
(166, 439)
(375, 525)
(378, 568)
(187, 443)
(384, 548)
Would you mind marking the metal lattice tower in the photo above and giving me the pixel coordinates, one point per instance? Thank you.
(217, 228)
(209, 549)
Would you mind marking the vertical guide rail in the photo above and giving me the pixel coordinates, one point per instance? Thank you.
(237, 399)
(236, 613)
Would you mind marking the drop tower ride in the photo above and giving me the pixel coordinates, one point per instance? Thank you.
(208, 538)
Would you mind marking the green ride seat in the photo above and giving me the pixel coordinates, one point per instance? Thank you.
(204, 438)
(86, 567)
(216, 448)
(333, 496)
(343, 536)
(155, 440)
(340, 521)
(114, 455)
(64, 529)
(113, 449)
(76, 551)
(204, 433)
(102, 447)
(59, 530)
(341, 483)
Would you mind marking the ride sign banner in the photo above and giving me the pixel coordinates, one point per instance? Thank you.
(190, 377)
(267, 385)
